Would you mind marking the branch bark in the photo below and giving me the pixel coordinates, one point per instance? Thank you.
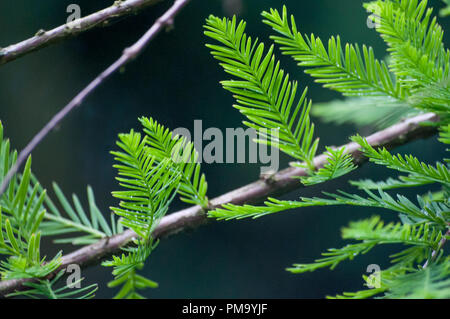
(282, 182)
(128, 54)
(103, 17)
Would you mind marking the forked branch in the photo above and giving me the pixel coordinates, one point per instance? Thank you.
(282, 182)
(128, 55)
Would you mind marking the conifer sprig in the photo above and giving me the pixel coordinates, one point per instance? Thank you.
(263, 92)
(163, 145)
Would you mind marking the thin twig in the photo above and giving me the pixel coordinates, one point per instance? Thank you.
(439, 248)
(280, 183)
(103, 18)
(128, 55)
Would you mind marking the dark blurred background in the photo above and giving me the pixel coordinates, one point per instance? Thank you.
(176, 81)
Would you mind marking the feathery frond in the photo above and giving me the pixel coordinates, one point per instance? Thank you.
(391, 183)
(151, 180)
(345, 68)
(379, 282)
(77, 221)
(433, 212)
(338, 164)
(162, 144)
(149, 185)
(430, 283)
(412, 80)
(125, 271)
(21, 214)
(445, 134)
(46, 289)
(414, 38)
(272, 206)
(22, 204)
(263, 92)
(334, 257)
(444, 12)
(25, 261)
(373, 232)
(408, 164)
(379, 112)
(376, 283)
(418, 55)
(153, 167)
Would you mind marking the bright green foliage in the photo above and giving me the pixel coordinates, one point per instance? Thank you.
(375, 97)
(345, 68)
(24, 249)
(21, 214)
(375, 111)
(153, 167)
(263, 92)
(45, 289)
(162, 145)
(149, 185)
(379, 282)
(25, 261)
(430, 283)
(390, 183)
(418, 56)
(419, 172)
(445, 134)
(95, 226)
(23, 208)
(272, 206)
(414, 39)
(405, 282)
(445, 11)
(373, 232)
(339, 164)
(152, 170)
(26, 211)
(125, 268)
(413, 79)
(432, 212)
(334, 257)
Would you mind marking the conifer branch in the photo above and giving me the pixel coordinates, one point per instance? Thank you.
(128, 55)
(282, 182)
(441, 246)
(102, 18)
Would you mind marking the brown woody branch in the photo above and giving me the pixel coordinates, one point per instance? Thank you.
(102, 18)
(282, 182)
(128, 55)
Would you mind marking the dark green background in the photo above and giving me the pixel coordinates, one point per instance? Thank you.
(176, 81)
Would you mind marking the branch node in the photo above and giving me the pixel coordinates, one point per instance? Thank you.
(170, 25)
(40, 33)
(269, 177)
